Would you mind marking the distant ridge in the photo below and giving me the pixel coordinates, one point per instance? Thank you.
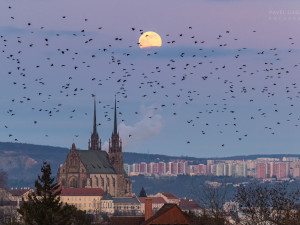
(23, 161)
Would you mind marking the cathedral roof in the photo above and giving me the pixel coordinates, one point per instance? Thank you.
(96, 161)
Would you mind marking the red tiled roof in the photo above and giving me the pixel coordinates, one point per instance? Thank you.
(170, 195)
(188, 204)
(155, 200)
(18, 192)
(127, 220)
(82, 192)
(162, 211)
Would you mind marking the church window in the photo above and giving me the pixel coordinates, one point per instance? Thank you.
(73, 183)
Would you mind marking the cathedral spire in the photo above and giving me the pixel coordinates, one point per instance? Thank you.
(94, 142)
(115, 147)
(95, 121)
(115, 119)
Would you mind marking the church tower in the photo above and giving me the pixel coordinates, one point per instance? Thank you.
(115, 148)
(94, 143)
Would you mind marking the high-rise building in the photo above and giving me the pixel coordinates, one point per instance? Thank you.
(261, 170)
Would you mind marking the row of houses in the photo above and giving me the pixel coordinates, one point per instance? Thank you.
(97, 202)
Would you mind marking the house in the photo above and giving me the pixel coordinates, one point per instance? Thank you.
(126, 206)
(188, 205)
(157, 203)
(9, 202)
(168, 197)
(168, 214)
(87, 199)
(121, 206)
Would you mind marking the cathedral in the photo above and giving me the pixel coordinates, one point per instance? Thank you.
(95, 168)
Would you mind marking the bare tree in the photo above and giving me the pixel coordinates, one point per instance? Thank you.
(270, 204)
(3, 180)
(212, 197)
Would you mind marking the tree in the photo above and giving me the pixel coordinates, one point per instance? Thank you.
(212, 197)
(143, 193)
(270, 204)
(44, 207)
(3, 180)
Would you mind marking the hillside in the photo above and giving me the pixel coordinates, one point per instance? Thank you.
(23, 161)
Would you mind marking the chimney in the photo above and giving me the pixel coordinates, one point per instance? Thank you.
(148, 208)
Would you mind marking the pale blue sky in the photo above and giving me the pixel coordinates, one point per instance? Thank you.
(230, 91)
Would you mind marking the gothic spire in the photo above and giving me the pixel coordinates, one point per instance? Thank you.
(115, 120)
(95, 121)
(94, 142)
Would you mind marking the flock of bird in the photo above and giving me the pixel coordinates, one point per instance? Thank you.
(211, 90)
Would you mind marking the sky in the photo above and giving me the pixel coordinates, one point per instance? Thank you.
(224, 82)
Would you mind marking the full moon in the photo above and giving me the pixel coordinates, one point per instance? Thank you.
(150, 39)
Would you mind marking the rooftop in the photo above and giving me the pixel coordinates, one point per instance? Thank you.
(170, 195)
(155, 200)
(188, 204)
(82, 192)
(126, 200)
(96, 162)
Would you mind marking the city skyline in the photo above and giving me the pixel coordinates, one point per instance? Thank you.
(223, 83)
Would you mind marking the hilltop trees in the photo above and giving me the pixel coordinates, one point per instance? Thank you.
(44, 207)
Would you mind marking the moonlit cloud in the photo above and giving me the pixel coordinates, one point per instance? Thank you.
(150, 125)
